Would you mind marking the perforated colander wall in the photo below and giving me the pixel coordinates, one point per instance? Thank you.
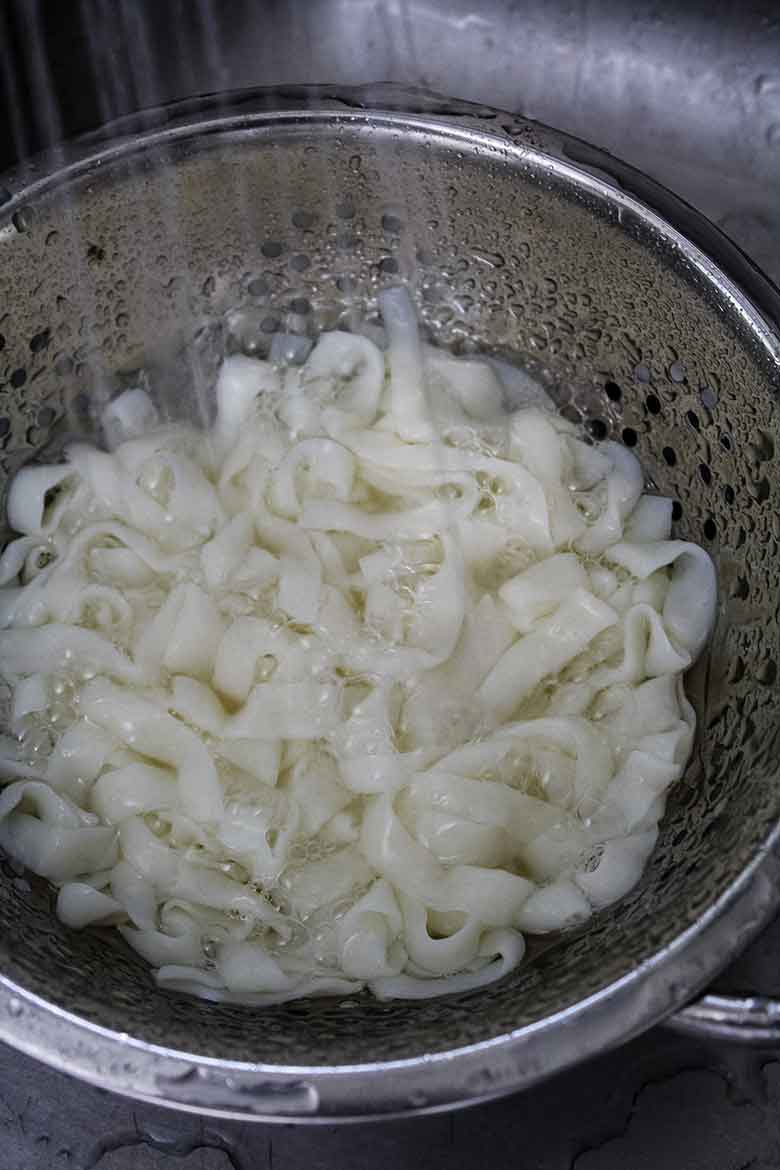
(296, 227)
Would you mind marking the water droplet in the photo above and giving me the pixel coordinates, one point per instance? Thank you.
(490, 259)
(22, 220)
(773, 135)
(767, 83)
(14, 1008)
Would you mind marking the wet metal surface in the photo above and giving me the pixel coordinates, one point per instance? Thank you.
(661, 1101)
(687, 90)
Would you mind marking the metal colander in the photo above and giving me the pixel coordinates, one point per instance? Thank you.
(222, 225)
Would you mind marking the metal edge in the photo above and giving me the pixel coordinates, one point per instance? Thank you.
(748, 1019)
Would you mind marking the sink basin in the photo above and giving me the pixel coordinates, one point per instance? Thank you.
(690, 98)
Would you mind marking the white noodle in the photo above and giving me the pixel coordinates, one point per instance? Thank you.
(346, 692)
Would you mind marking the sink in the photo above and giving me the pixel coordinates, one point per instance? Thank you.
(687, 91)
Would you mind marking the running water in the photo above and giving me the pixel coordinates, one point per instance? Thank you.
(129, 69)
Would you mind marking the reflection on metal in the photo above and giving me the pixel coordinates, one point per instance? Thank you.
(747, 1019)
(690, 97)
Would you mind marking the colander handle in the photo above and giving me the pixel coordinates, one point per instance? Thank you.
(750, 1019)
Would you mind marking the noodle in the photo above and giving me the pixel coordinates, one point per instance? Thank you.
(353, 689)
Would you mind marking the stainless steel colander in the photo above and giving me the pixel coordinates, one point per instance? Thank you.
(226, 222)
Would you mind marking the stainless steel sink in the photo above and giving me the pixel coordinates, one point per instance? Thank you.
(686, 90)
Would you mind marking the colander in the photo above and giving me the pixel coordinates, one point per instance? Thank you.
(223, 222)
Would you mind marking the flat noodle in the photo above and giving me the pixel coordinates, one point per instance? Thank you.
(354, 688)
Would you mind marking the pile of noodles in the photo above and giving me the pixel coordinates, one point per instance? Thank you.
(352, 688)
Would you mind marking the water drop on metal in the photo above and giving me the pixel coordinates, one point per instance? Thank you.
(22, 220)
(767, 83)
